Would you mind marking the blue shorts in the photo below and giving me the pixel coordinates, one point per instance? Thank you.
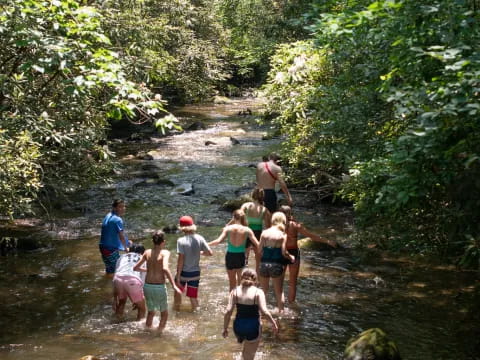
(246, 328)
(191, 281)
(109, 257)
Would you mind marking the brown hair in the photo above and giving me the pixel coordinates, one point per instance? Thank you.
(248, 277)
(287, 210)
(158, 237)
(258, 194)
(239, 215)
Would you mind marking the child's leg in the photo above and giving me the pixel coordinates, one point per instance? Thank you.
(264, 283)
(194, 303)
(150, 316)
(250, 348)
(163, 320)
(232, 278)
(293, 270)
(278, 289)
(141, 309)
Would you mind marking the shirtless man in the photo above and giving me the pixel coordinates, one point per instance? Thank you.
(268, 174)
(154, 287)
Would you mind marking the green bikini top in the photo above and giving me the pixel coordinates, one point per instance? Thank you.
(235, 249)
(253, 222)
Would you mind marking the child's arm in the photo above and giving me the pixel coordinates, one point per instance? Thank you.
(267, 218)
(253, 238)
(305, 232)
(285, 253)
(262, 304)
(228, 315)
(138, 265)
(218, 240)
(166, 270)
(181, 259)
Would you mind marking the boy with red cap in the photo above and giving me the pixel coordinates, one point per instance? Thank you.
(189, 249)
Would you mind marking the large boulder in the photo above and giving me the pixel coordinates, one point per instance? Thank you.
(372, 344)
(234, 204)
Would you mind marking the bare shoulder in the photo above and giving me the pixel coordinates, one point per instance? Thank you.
(165, 252)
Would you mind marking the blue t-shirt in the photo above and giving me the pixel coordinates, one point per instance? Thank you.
(111, 227)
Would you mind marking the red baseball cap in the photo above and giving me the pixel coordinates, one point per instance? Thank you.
(186, 221)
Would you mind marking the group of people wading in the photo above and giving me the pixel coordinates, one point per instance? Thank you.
(256, 227)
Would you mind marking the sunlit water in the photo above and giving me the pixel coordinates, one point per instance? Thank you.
(55, 302)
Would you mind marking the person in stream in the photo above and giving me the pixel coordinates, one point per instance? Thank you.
(128, 283)
(248, 299)
(154, 288)
(268, 173)
(189, 249)
(113, 238)
(237, 234)
(273, 253)
(258, 218)
(293, 228)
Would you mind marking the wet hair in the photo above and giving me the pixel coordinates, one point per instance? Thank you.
(158, 237)
(137, 248)
(248, 277)
(258, 194)
(279, 220)
(239, 216)
(287, 210)
(117, 202)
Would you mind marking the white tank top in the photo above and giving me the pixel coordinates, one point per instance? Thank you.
(125, 265)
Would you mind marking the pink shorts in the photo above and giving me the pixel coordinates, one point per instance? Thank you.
(129, 286)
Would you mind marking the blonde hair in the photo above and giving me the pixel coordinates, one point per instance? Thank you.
(248, 277)
(239, 215)
(279, 220)
(190, 229)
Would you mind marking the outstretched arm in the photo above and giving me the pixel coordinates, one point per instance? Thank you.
(218, 240)
(228, 314)
(305, 232)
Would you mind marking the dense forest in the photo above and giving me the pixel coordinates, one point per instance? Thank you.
(378, 100)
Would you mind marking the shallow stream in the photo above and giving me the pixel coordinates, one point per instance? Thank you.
(55, 302)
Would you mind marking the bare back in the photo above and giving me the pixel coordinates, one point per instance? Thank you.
(156, 260)
(265, 180)
(273, 237)
(238, 234)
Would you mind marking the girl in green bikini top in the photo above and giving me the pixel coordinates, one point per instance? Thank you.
(236, 233)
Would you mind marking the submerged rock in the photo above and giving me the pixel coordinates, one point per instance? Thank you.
(234, 204)
(372, 344)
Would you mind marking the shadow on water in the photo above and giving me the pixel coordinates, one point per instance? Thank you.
(56, 304)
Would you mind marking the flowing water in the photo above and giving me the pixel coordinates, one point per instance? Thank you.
(55, 302)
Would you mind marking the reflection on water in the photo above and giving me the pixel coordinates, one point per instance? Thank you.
(55, 302)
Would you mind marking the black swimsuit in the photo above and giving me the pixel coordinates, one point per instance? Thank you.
(247, 321)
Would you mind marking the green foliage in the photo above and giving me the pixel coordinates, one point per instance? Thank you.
(59, 81)
(255, 27)
(397, 112)
(174, 46)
